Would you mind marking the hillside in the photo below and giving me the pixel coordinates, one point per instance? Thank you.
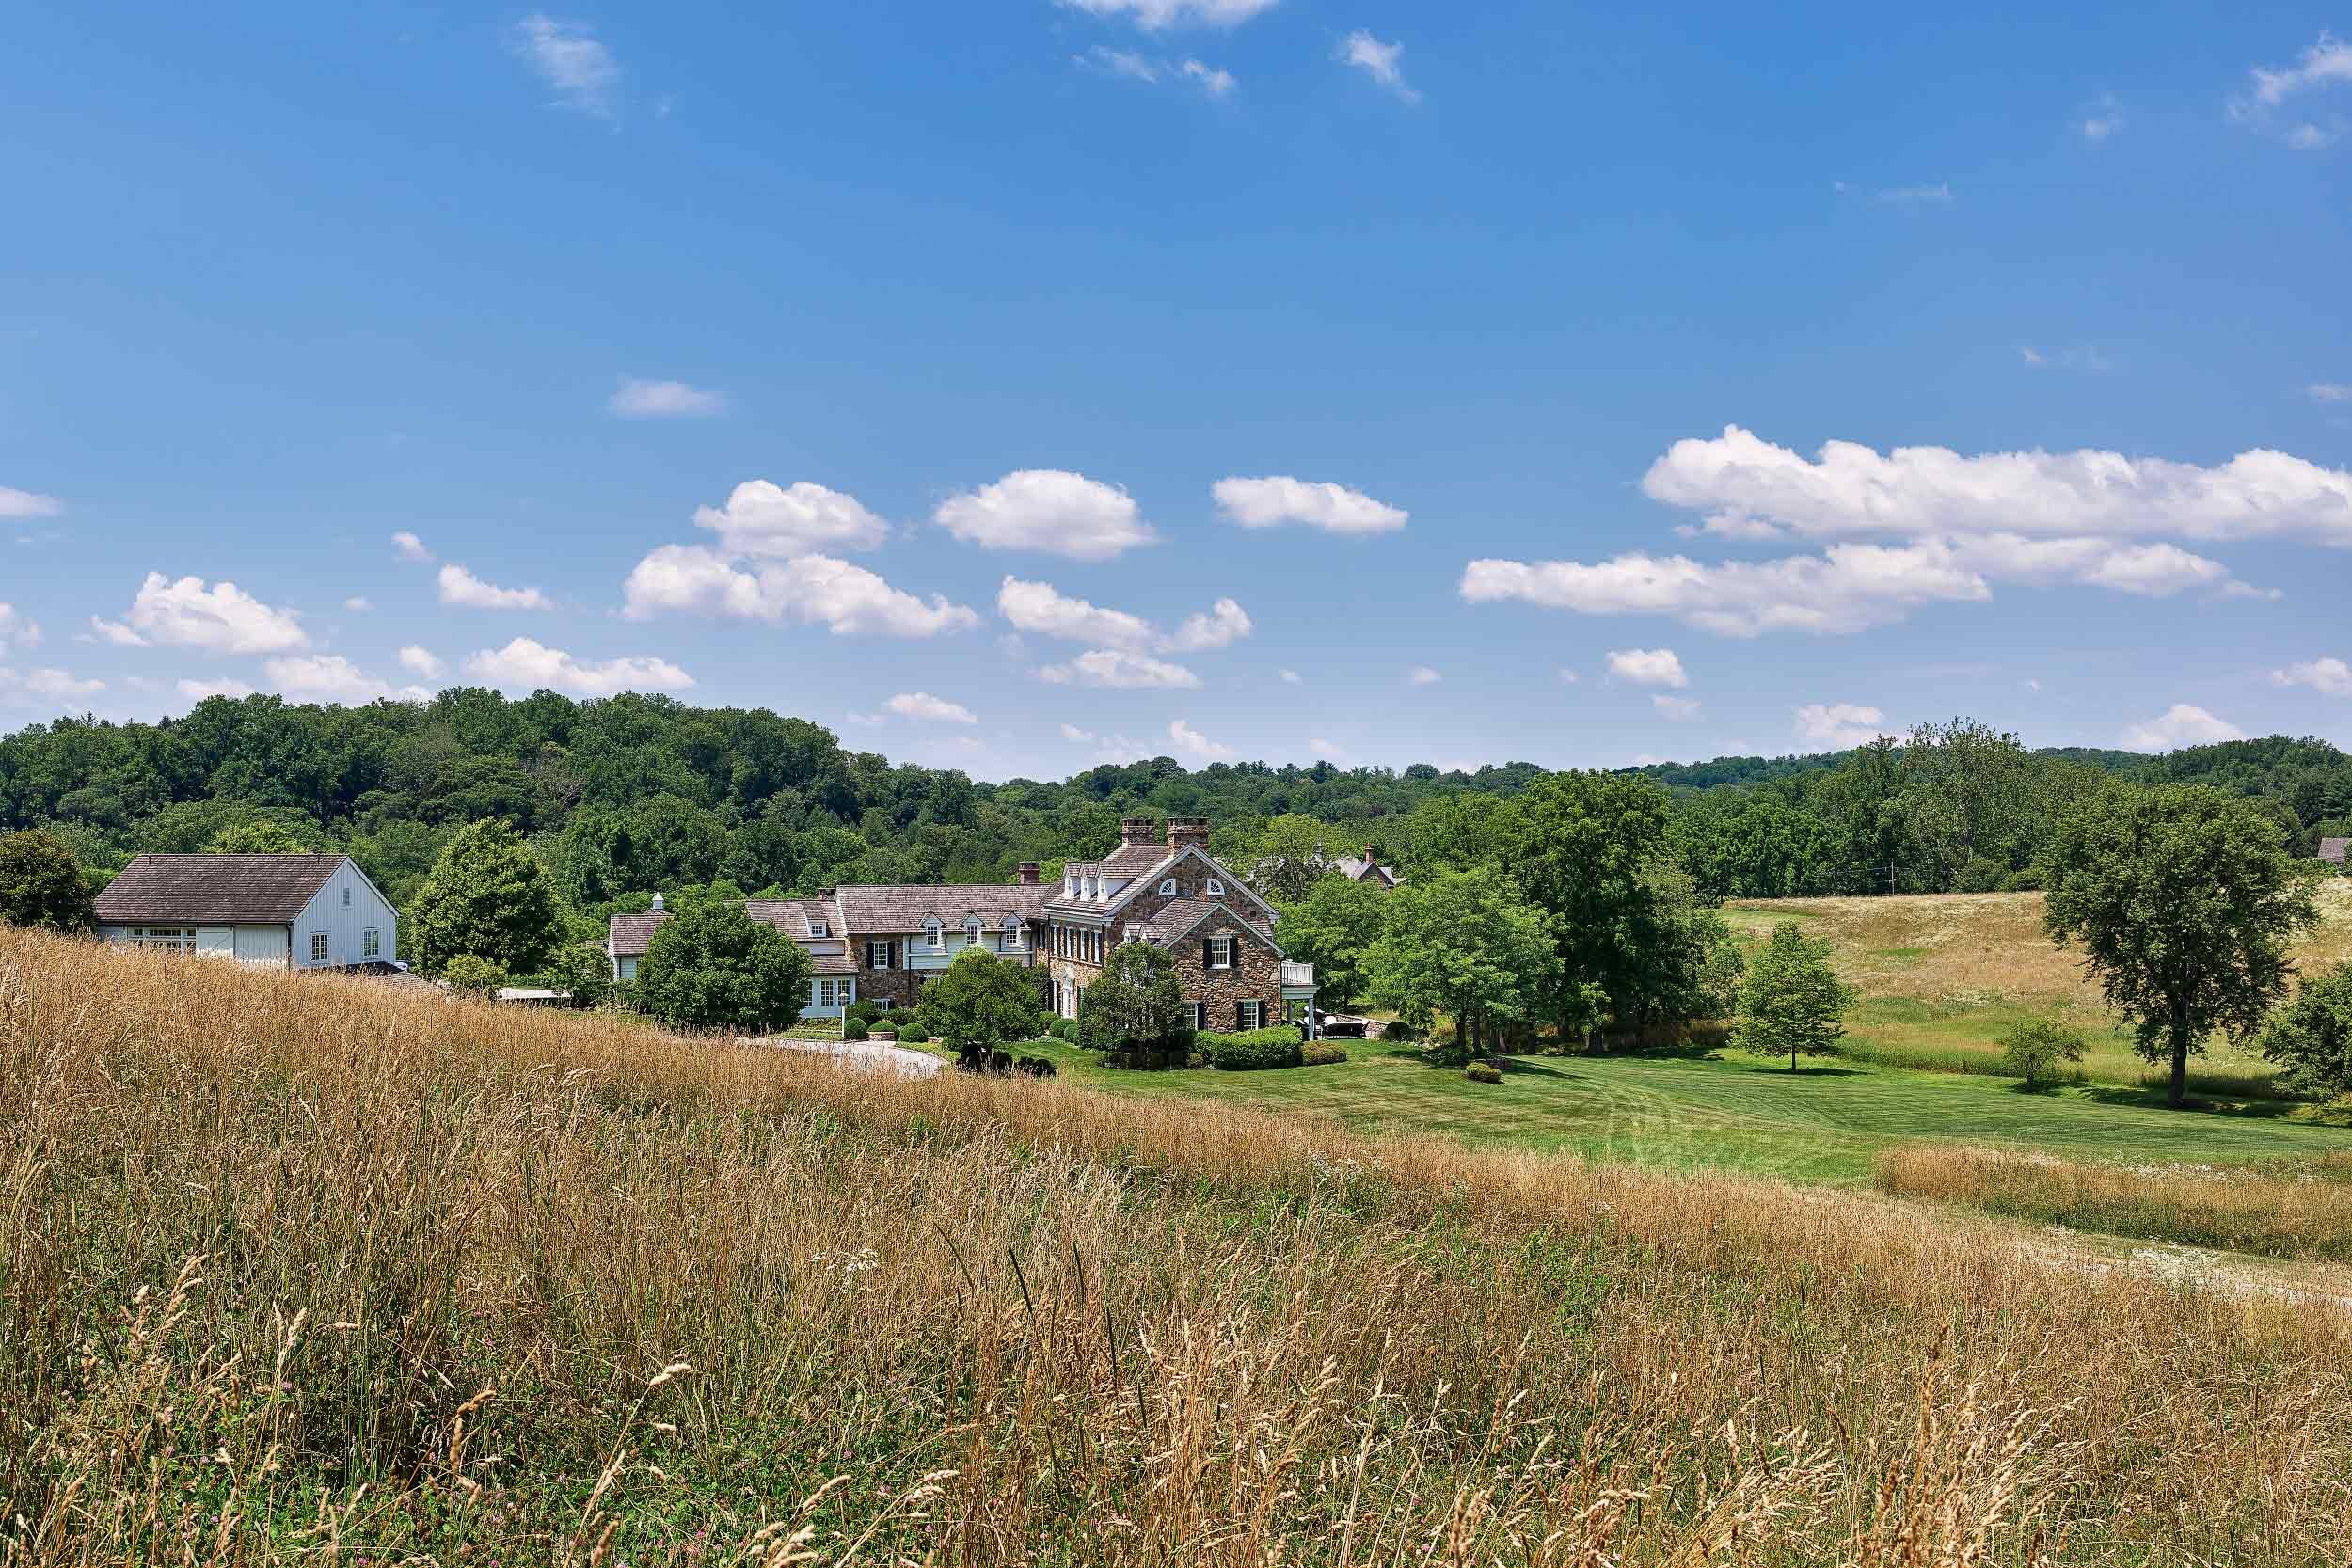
(303, 1266)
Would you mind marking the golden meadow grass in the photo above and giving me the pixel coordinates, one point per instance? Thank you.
(2300, 1208)
(305, 1268)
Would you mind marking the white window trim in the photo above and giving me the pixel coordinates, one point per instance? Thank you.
(1251, 1013)
(371, 942)
(1016, 935)
(1167, 888)
(870, 962)
(318, 947)
(935, 936)
(1213, 888)
(1199, 1016)
(1221, 952)
(346, 898)
(820, 928)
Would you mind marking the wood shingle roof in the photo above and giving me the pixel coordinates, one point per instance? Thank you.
(216, 890)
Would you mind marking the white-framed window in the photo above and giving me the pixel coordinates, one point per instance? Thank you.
(1167, 888)
(1015, 934)
(1199, 1015)
(346, 898)
(820, 928)
(877, 955)
(972, 931)
(1221, 952)
(370, 942)
(318, 947)
(1213, 888)
(934, 936)
(175, 939)
(1250, 1015)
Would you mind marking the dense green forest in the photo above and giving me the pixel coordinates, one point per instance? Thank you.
(624, 796)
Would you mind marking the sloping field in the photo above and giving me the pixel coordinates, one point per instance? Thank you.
(307, 1268)
(1942, 976)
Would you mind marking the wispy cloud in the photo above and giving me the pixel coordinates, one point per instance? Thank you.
(26, 503)
(1153, 15)
(2329, 391)
(571, 61)
(2100, 119)
(2324, 64)
(2080, 357)
(636, 399)
(1382, 62)
(1127, 64)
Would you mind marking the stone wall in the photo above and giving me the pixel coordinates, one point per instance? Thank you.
(1257, 974)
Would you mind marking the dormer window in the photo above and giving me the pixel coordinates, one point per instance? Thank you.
(1012, 931)
(934, 936)
(972, 931)
(1168, 889)
(820, 928)
(1213, 888)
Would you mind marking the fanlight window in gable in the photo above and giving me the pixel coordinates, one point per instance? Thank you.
(1213, 888)
(1168, 889)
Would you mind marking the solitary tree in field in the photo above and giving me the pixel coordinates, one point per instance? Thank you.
(1791, 1000)
(2311, 1037)
(979, 1004)
(711, 966)
(2037, 1049)
(2182, 899)
(41, 883)
(488, 896)
(1462, 942)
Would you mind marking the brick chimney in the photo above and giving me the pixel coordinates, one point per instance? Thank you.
(1187, 832)
(1137, 829)
(1028, 873)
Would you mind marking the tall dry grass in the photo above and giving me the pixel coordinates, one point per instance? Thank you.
(2301, 1209)
(309, 1268)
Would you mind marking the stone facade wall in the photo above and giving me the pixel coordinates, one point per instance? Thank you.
(1257, 974)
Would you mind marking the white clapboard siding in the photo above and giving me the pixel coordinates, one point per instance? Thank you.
(345, 910)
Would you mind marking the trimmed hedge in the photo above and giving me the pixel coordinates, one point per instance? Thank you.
(1253, 1051)
(1065, 1030)
(854, 1029)
(912, 1034)
(1482, 1072)
(1322, 1053)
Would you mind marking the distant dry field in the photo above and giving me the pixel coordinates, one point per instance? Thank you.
(304, 1269)
(1941, 975)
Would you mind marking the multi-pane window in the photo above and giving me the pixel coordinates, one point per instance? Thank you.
(176, 938)
(1167, 888)
(318, 947)
(1221, 952)
(370, 942)
(1199, 1015)
(934, 936)
(1213, 888)
(346, 898)
(1250, 1015)
(877, 955)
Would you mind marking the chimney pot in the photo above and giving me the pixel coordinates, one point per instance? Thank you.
(1187, 832)
(1137, 829)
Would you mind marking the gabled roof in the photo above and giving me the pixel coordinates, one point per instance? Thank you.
(2335, 850)
(219, 890)
(895, 911)
(1145, 882)
(1180, 917)
(1356, 867)
(631, 935)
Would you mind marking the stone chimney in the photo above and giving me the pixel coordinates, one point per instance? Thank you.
(1137, 829)
(1187, 832)
(1028, 873)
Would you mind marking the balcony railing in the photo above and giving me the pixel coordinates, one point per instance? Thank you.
(1298, 974)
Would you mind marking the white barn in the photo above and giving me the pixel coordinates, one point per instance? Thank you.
(289, 911)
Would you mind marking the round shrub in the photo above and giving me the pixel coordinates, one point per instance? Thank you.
(854, 1029)
(1322, 1053)
(1482, 1072)
(1194, 1059)
(1065, 1030)
(912, 1034)
(1401, 1032)
(1042, 1028)
(868, 1013)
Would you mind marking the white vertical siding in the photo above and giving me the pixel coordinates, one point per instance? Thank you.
(345, 920)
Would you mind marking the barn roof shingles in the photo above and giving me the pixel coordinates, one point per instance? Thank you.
(260, 890)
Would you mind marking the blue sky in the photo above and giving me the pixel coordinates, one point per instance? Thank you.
(1009, 385)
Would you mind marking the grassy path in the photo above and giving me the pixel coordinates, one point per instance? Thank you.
(1822, 1124)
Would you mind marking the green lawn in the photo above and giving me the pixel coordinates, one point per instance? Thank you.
(1822, 1124)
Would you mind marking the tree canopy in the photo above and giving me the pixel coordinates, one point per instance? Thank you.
(487, 896)
(2311, 1037)
(1463, 943)
(979, 1004)
(2180, 900)
(41, 883)
(1792, 1002)
(713, 967)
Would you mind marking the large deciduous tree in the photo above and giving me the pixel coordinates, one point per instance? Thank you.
(41, 883)
(1289, 854)
(2181, 899)
(712, 966)
(1791, 1001)
(979, 1004)
(1333, 928)
(487, 896)
(1463, 943)
(1136, 1005)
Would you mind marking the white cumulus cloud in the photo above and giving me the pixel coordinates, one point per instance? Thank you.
(1219, 626)
(922, 704)
(819, 590)
(1119, 668)
(2331, 675)
(1049, 510)
(330, 678)
(1676, 708)
(1275, 499)
(418, 661)
(186, 612)
(1839, 726)
(409, 547)
(222, 686)
(2179, 726)
(1044, 609)
(766, 520)
(639, 399)
(16, 628)
(570, 61)
(1190, 742)
(1647, 667)
(1382, 62)
(43, 686)
(526, 665)
(463, 589)
(1421, 674)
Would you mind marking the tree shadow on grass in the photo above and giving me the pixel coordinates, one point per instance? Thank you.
(1520, 1066)
(2154, 1099)
(1784, 1071)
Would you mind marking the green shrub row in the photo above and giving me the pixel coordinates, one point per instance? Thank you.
(1250, 1050)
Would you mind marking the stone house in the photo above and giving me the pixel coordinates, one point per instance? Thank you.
(882, 943)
